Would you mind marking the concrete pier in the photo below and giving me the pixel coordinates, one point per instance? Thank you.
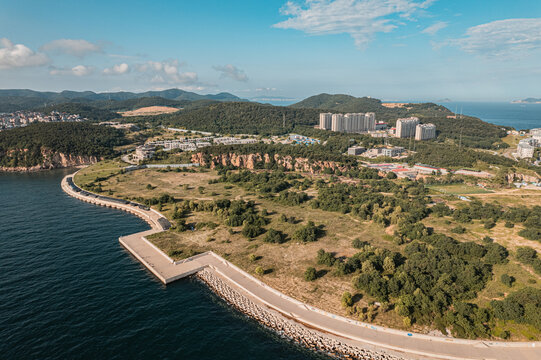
(328, 331)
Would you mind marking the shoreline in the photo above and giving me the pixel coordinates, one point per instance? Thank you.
(334, 334)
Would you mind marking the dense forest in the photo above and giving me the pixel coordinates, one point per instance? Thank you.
(242, 118)
(23, 146)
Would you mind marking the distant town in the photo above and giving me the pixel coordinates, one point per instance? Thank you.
(24, 118)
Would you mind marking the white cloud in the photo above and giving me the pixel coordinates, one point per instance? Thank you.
(361, 19)
(74, 47)
(167, 72)
(79, 70)
(232, 72)
(117, 69)
(434, 28)
(511, 37)
(18, 55)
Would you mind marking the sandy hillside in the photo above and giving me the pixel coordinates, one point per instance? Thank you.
(150, 110)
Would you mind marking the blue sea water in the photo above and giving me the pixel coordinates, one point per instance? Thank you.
(68, 290)
(519, 116)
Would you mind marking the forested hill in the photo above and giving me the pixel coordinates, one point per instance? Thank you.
(242, 118)
(25, 146)
(23, 99)
(347, 103)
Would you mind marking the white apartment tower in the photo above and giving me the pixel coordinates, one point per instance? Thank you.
(325, 121)
(425, 131)
(350, 123)
(337, 123)
(405, 128)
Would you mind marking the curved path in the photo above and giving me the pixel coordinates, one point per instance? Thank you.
(351, 332)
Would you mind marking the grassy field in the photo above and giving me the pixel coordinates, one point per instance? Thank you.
(285, 263)
(458, 189)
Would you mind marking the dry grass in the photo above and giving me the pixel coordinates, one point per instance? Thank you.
(150, 110)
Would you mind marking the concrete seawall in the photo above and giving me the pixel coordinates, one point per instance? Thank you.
(301, 322)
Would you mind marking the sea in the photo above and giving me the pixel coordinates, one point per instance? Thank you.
(68, 290)
(520, 116)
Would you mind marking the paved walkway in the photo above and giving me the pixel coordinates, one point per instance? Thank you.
(410, 345)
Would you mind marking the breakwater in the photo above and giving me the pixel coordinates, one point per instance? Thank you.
(288, 328)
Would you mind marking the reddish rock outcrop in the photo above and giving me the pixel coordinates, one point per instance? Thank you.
(250, 161)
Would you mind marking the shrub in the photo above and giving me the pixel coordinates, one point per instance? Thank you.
(526, 254)
(310, 274)
(253, 257)
(489, 224)
(251, 231)
(358, 243)
(509, 224)
(391, 175)
(308, 233)
(273, 236)
(259, 271)
(325, 258)
(347, 299)
(530, 234)
(459, 229)
(507, 280)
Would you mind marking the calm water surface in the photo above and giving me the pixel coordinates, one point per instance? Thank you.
(68, 290)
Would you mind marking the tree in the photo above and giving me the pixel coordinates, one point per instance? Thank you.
(391, 175)
(388, 265)
(310, 274)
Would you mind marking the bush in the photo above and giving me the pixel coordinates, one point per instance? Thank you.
(509, 224)
(530, 234)
(526, 255)
(459, 229)
(259, 271)
(347, 299)
(358, 243)
(325, 258)
(308, 233)
(489, 224)
(251, 231)
(507, 280)
(274, 236)
(310, 274)
(391, 175)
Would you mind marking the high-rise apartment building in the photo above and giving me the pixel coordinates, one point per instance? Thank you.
(337, 122)
(350, 123)
(425, 131)
(325, 121)
(405, 128)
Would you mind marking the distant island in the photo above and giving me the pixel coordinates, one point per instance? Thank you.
(527, 101)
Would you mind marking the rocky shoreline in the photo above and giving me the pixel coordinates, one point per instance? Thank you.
(290, 329)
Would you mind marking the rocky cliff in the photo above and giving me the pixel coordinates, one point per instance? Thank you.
(253, 161)
(54, 160)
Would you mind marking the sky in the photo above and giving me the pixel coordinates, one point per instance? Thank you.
(395, 50)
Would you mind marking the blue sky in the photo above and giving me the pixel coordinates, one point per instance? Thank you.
(390, 49)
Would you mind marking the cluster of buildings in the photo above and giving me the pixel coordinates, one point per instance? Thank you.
(410, 127)
(350, 123)
(24, 118)
(526, 147)
(192, 144)
(419, 170)
(388, 151)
